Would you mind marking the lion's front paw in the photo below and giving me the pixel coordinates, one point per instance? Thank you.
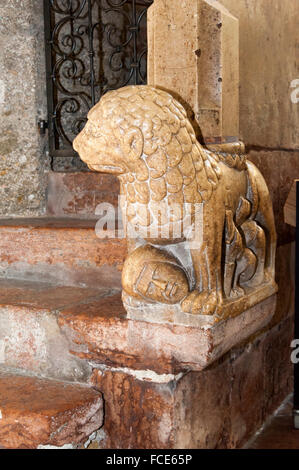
(202, 303)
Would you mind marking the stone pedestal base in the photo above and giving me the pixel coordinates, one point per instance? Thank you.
(172, 385)
(220, 407)
(103, 333)
(214, 336)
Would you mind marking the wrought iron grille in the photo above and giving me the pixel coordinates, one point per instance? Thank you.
(92, 46)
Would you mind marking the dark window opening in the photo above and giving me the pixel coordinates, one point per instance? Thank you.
(92, 46)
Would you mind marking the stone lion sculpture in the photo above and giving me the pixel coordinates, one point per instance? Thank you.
(200, 224)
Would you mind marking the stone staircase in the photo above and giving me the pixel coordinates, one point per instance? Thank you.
(48, 265)
(69, 350)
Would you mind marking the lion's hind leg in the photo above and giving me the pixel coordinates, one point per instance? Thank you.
(263, 215)
(256, 241)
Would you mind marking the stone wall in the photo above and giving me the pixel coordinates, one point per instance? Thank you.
(269, 42)
(23, 160)
(269, 123)
(218, 408)
(269, 119)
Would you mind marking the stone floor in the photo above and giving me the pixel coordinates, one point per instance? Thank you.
(278, 432)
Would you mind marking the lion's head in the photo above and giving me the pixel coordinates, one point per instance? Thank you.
(142, 134)
(131, 123)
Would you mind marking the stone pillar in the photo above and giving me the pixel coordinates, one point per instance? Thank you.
(23, 161)
(193, 52)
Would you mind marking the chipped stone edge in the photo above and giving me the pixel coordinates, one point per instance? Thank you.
(95, 437)
(65, 446)
(146, 375)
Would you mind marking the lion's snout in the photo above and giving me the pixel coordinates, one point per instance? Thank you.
(87, 148)
(77, 145)
(97, 155)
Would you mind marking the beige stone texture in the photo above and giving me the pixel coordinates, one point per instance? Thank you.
(268, 52)
(23, 161)
(269, 48)
(194, 53)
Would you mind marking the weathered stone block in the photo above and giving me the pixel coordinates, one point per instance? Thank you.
(79, 193)
(194, 53)
(30, 338)
(63, 251)
(38, 412)
(138, 414)
(23, 161)
(100, 331)
(220, 407)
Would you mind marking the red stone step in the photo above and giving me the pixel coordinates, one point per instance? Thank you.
(36, 412)
(61, 332)
(63, 251)
(30, 338)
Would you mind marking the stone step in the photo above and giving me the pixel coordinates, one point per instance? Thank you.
(60, 250)
(167, 344)
(63, 332)
(37, 412)
(30, 338)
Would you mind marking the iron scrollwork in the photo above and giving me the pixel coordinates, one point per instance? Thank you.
(92, 46)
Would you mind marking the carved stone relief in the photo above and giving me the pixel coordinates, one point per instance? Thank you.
(199, 223)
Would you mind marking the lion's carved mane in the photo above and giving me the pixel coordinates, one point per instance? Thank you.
(162, 157)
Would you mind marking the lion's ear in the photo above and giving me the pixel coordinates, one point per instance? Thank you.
(133, 143)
